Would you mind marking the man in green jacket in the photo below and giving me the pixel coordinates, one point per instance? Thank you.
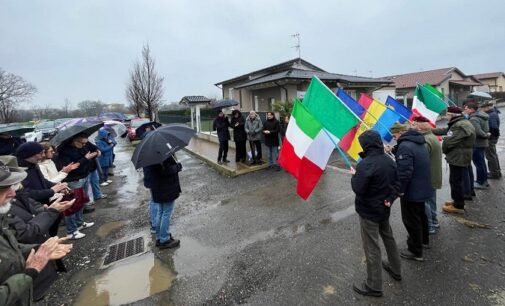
(457, 147)
(422, 124)
(16, 273)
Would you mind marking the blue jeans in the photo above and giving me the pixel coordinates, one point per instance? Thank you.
(94, 181)
(153, 213)
(105, 174)
(479, 161)
(273, 152)
(163, 220)
(431, 209)
(72, 222)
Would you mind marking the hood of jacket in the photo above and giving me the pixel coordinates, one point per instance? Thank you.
(413, 136)
(102, 134)
(371, 143)
(481, 115)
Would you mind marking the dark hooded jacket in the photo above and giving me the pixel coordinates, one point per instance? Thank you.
(238, 124)
(221, 125)
(37, 186)
(375, 180)
(163, 180)
(272, 139)
(413, 166)
(494, 124)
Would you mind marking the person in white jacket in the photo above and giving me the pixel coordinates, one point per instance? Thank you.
(48, 167)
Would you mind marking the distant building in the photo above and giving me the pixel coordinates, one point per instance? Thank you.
(452, 82)
(286, 81)
(494, 81)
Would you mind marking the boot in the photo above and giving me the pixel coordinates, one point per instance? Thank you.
(453, 210)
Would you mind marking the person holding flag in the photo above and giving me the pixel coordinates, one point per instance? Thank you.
(375, 184)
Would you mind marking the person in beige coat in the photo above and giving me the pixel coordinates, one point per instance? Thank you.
(48, 167)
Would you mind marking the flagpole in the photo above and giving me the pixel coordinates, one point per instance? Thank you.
(357, 117)
(338, 148)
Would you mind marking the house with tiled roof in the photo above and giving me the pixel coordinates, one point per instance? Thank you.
(452, 82)
(495, 81)
(289, 80)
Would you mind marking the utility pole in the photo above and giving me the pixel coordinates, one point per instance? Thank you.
(297, 46)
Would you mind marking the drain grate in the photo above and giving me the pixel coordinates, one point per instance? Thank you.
(124, 250)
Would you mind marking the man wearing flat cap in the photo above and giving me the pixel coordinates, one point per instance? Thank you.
(423, 125)
(493, 163)
(458, 148)
(413, 169)
(16, 272)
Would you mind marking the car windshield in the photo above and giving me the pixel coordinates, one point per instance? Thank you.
(137, 123)
(45, 125)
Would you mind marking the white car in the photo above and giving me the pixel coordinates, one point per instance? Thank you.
(35, 135)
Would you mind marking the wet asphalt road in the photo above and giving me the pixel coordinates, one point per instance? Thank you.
(251, 240)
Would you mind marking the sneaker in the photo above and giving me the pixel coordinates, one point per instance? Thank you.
(153, 231)
(103, 196)
(436, 224)
(479, 186)
(363, 289)
(104, 184)
(85, 225)
(109, 181)
(171, 243)
(452, 210)
(432, 231)
(387, 267)
(409, 255)
(76, 235)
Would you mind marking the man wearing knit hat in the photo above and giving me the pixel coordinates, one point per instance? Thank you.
(457, 147)
(413, 168)
(38, 187)
(423, 125)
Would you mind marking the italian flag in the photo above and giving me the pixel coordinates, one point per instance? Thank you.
(305, 150)
(428, 102)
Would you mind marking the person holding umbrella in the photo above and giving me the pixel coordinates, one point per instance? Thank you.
(221, 125)
(155, 153)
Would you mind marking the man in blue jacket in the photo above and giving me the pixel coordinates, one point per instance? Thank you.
(375, 184)
(413, 168)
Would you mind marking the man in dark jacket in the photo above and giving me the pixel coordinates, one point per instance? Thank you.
(16, 272)
(239, 136)
(39, 188)
(221, 125)
(9, 143)
(163, 181)
(479, 119)
(457, 147)
(271, 132)
(493, 163)
(374, 183)
(413, 168)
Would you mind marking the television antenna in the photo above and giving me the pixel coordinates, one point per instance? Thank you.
(297, 46)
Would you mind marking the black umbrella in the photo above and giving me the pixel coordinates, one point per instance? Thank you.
(15, 130)
(159, 144)
(142, 129)
(67, 134)
(224, 103)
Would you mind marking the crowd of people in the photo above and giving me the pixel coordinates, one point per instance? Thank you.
(414, 175)
(41, 187)
(253, 130)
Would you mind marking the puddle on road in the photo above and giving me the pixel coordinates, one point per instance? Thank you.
(127, 282)
(339, 215)
(192, 257)
(110, 227)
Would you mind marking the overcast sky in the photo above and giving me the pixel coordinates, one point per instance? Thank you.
(84, 49)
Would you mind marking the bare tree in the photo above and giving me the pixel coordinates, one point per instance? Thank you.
(91, 108)
(13, 90)
(145, 87)
(66, 107)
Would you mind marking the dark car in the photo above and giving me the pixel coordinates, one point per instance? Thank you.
(48, 129)
(135, 123)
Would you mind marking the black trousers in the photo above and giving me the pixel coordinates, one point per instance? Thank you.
(223, 150)
(456, 180)
(240, 151)
(416, 223)
(255, 150)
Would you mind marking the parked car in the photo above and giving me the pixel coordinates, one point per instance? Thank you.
(35, 135)
(135, 123)
(48, 129)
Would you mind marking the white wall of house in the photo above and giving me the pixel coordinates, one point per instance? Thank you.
(383, 93)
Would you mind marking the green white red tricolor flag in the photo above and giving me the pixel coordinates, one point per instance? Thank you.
(314, 129)
(428, 102)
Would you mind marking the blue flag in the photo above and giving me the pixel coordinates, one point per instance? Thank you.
(401, 109)
(351, 103)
